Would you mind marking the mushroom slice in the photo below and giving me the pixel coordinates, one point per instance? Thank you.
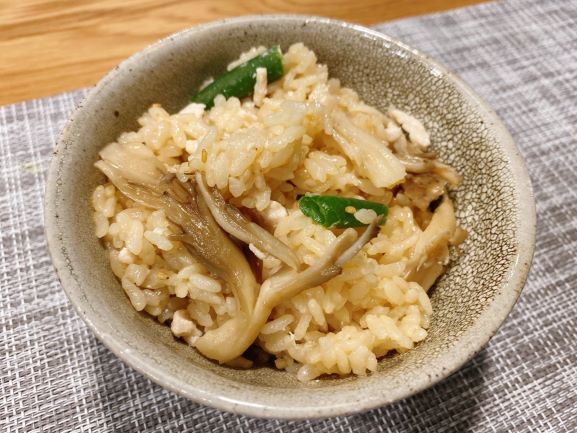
(371, 157)
(232, 221)
(136, 163)
(420, 164)
(142, 195)
(143, 179)
(430, 253)
(237, 334)
(210, 245)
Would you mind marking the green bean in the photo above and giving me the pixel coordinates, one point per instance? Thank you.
(240, 81)
(337, 212)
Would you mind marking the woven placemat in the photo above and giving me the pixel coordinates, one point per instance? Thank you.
(522, 57)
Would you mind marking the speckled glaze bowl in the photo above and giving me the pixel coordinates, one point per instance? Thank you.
(470, 301)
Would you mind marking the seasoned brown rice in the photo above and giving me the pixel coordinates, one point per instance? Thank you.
(262, 153)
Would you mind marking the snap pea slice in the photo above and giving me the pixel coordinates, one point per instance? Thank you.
(337, 212)
(240, 81)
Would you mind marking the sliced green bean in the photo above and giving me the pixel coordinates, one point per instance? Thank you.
(337, 212)
(240, 81)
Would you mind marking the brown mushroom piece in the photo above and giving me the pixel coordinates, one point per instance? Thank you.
(417, 161)
(134, 172)
(133, 175)
(232, 221)
(230, 340)
(430, 255)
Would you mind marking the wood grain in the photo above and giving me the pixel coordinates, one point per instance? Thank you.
(49, 46)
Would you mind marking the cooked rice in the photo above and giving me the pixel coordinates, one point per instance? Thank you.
(262, 153)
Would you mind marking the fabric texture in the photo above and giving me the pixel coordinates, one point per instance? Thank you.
(521, 57)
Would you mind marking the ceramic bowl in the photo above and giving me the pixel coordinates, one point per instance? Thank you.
(470, 301)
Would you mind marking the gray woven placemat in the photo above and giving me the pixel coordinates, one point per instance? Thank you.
(522, 57)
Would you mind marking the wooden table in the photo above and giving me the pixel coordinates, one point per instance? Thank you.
(50, 46)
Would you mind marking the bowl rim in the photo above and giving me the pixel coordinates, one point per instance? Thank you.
(468, 344)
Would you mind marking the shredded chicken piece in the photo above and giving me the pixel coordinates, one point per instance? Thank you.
(417, 132)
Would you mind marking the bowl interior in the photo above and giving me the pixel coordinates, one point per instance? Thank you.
(469, 302)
